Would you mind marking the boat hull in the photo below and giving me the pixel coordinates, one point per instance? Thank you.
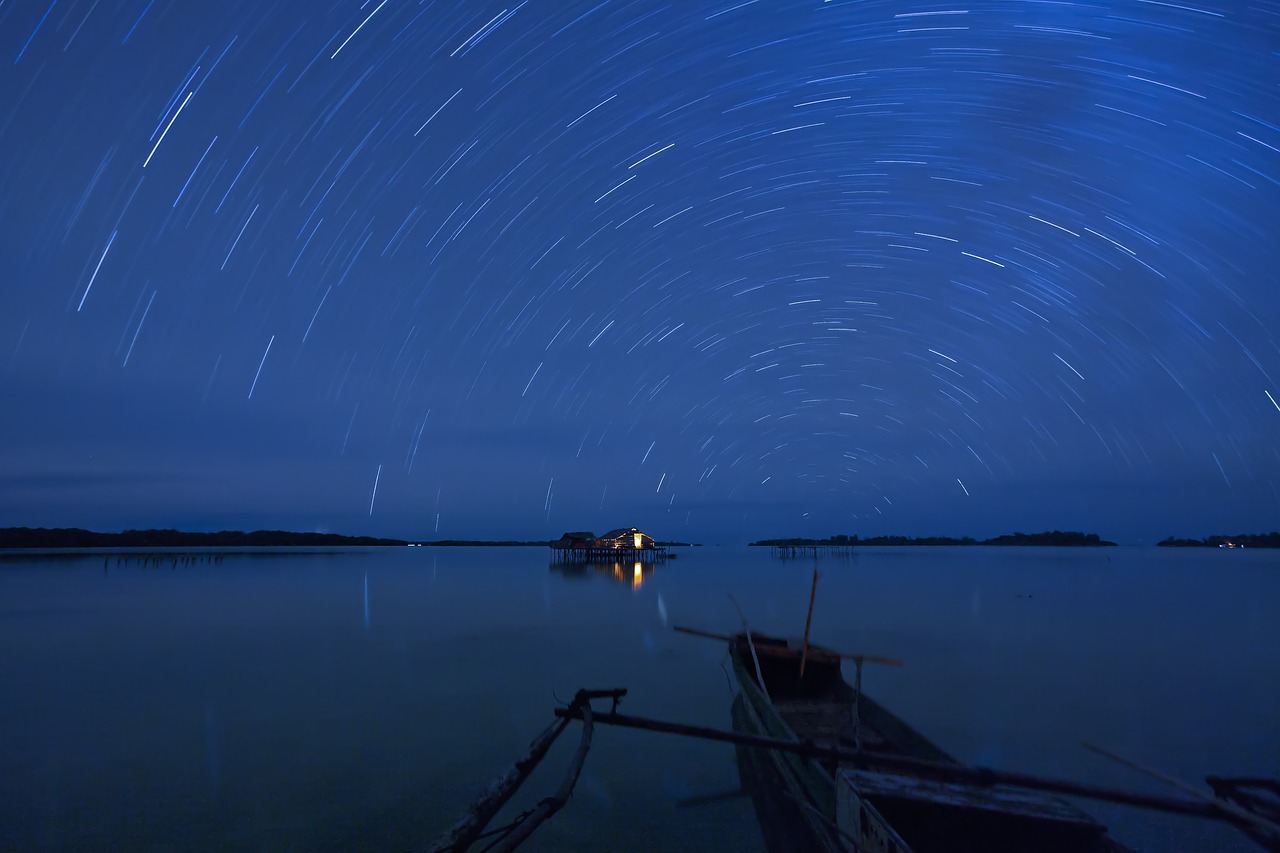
(791, 695)
(798, 792)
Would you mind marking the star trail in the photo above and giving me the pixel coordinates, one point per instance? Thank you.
(718, 269)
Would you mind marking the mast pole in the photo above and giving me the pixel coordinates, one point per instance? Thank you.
(808, 620)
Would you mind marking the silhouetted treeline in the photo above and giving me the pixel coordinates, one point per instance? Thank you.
(1051, 537)
(484, 543)
(1243, 540)
(74, 537)
(506, 543)
(843, 541)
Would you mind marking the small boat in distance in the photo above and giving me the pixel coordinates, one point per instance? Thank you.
(798, 693)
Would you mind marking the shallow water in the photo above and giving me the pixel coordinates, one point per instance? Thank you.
(360, 699)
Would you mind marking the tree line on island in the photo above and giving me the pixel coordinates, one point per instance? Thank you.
(1049, 537)
(1242, 540)
(75, 537)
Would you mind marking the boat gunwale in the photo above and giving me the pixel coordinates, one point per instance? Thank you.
(788, 768)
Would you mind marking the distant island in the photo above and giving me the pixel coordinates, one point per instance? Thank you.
(490, 543)
(74, 537)
(1069, 538)
(1243, 540)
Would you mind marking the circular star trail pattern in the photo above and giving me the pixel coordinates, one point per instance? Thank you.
(497, 268)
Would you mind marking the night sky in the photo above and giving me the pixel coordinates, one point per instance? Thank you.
(719, 270)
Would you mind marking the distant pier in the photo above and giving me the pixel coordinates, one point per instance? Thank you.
(793, 552)
(622, 544)
(654, 554)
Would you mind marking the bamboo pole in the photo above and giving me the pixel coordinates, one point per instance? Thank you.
(698, 632)
(808, 620)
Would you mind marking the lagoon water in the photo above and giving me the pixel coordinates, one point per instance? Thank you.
(360, 699)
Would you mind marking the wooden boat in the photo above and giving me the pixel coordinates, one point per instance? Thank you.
(874, 809)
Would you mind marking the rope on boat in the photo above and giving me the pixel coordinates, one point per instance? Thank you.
(754, 657)
(727, 680)
(502, 830)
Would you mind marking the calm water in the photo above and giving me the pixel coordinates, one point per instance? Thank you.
(359, 700)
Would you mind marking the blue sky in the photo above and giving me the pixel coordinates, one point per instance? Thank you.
(720, 270)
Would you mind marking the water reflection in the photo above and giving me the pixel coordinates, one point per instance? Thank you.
(172, 710)
(633, 573)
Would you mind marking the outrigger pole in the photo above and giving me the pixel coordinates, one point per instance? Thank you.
(471, 828)
(1251, 805)
(1261, 829)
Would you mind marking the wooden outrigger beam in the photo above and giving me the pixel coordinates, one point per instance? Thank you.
(1262, 830)
(465, 832)
(552, 804)
(1247, 817)
(471, 827)
(1259, 796)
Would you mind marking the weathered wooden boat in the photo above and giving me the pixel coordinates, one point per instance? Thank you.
(794, 718)
(793, 692)
(830, 769)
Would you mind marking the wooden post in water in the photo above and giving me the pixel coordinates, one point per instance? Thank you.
(808, 620)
